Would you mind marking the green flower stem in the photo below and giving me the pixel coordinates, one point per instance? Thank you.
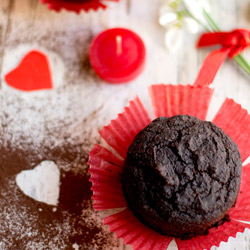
(239, 59)
(210, 21)
(197, 20)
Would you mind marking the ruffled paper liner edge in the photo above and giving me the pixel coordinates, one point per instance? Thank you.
(58, 5)
(170, 100)
(216, 236)
(125, 225)
(235, 122)
(120, 133)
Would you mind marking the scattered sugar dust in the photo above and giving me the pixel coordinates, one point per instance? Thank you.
(59, 125)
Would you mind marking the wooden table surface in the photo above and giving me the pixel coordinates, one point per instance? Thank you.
(65, 37)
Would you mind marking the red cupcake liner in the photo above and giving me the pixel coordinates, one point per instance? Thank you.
(105, 167)
(127, 226)
(170, 100)
(120, 133)
(76, 6)
(241, 210)
(235, 122)
(215, 236)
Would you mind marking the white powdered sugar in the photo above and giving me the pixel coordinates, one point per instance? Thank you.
(41, 183)
(44, 140)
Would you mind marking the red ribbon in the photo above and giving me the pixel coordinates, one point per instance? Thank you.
(232, 44)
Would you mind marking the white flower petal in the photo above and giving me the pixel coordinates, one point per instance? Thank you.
(173, 38)
(194, 7)
(167, 19)
(191, 25)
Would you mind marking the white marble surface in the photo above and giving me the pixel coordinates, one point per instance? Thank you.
(28, 24)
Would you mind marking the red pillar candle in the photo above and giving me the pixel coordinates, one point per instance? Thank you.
(117, 55)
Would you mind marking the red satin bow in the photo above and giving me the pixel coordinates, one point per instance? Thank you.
(232, 44)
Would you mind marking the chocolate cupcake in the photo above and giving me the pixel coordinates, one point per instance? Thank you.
(181, 175)
(198, 189)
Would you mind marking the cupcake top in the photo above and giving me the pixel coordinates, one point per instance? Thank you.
(181, 175)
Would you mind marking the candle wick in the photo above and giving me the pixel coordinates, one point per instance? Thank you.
(118, 45)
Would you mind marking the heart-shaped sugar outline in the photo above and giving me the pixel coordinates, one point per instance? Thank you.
(33, 73)
(41, 183)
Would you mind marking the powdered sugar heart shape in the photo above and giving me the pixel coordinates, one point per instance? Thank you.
(41, 183)
(33, 73)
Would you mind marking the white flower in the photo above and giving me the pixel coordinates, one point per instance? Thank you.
(173, 37)
(175, 14)
(167, 19)
(191, 25)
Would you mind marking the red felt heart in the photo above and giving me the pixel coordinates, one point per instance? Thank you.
(33, 73)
